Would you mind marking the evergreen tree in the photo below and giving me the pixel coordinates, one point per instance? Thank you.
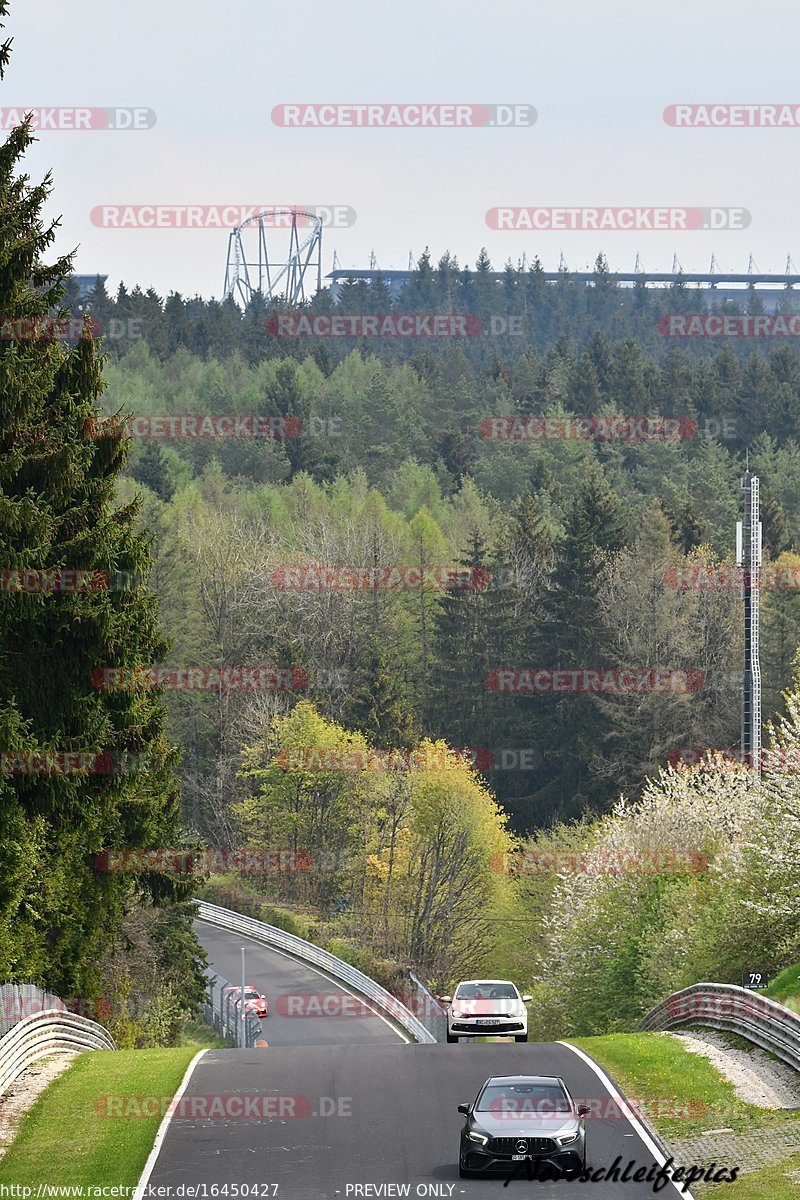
(780, 632)
(774, 528)
(586, 386)
(150, 468)
(57, 913)
(380, 706)
(567, 728)
(176, 322)
(467, 645)
(658, 632)
(679, 508)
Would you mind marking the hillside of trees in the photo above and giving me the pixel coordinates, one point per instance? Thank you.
(578, 543)
(579, 538)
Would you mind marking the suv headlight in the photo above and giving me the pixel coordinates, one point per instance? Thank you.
(474, 1136)
(566, 1138)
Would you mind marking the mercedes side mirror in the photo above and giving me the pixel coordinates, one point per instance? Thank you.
(526, 998)
(464, 1109)
(445, 999)
(583, 1110)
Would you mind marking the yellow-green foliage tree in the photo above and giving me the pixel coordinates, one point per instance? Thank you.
(405, 846)
(452, 897)
(307, 803)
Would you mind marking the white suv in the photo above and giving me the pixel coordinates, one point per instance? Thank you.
(486, 1006)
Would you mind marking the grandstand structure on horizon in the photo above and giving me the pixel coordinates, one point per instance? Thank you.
(712, 286)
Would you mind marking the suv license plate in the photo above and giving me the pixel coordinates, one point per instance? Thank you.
(522, 1158)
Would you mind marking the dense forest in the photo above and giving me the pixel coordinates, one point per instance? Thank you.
(398, 526)
(391, 462)
(582, 550)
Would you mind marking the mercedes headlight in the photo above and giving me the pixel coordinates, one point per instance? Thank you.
(474, 1136)
(566, 1138)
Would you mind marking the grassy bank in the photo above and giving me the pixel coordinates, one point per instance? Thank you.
(681, 1094)
(780, 1181)
(66, 1138)
(785, 988)
(202, 1037)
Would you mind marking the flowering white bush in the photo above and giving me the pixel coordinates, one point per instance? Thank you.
(695, 880)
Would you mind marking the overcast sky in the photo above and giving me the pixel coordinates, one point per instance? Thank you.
(598, 75)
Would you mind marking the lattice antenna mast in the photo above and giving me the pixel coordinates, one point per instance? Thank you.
(748, 557)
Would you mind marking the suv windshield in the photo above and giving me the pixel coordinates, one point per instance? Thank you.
(524, 1098)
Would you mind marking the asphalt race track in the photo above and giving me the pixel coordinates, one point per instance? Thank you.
(276, 975)
(352, 1105)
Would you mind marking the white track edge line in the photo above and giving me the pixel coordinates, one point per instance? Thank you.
(163, 1127)
(643, 1133)
(330, 978)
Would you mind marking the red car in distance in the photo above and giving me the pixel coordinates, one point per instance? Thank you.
(253, 1000)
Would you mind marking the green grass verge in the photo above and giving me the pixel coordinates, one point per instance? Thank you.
(683, 1093)
(785, 988)
(200, 1035)
(781, 1181)
(65, 1139)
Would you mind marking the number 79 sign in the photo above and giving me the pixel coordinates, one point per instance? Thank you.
(754, 979)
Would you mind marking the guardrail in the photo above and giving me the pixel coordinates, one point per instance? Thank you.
(45, 1033)
(428, 1009)
(724, 1006)
(341, 971)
